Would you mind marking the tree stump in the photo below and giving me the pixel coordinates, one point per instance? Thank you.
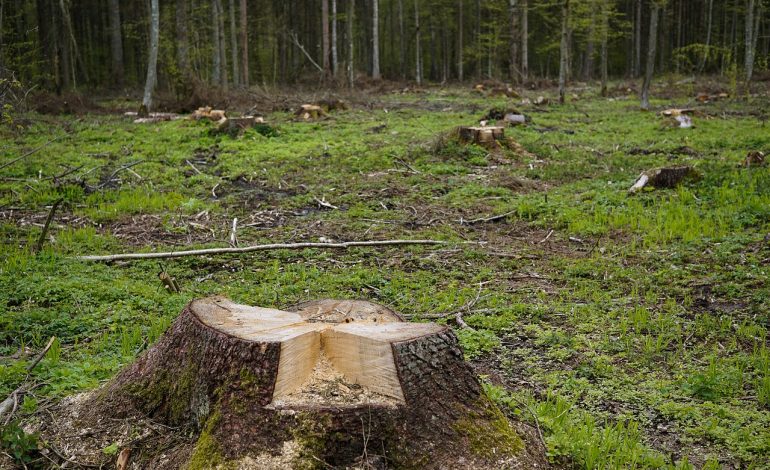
(308, 112)
(331, 384)
(484, 136)
(235, 126)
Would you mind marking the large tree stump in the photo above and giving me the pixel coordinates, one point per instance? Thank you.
(334, 383)
(484, 136)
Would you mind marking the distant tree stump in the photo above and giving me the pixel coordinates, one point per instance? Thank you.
(308, 112)
(235, 126)
(334, 383)
(663, 178)
(484, 136)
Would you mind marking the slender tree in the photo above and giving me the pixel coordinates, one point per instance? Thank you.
(459, 40)
(182, 40)
(637, 65)
(514, 42)
(221, 43)
(244, 33)
(564, 50)
(349, 21)
(152, 62)
(605, 32)
(335, 59)
(234, 43)
(402, 39)
(417, 48)
(709, 19)
(325, 37)
(216, 57)
(116, 43)
(524, 39)
(748, 68)
(376, 39)
(651, 49)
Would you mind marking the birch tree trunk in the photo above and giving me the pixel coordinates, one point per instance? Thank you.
(649, 68)
(525, 39)
(244, 32)
(325, 37)
(116, 43)
(234, 43)
(349, 19)
(417, 51)
(376, 39)
(460, 41)
(563, 50)
(335, 59)
(152, 63)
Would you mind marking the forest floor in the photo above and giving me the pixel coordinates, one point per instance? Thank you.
(635, 327)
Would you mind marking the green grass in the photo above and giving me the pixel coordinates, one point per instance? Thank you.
(641, 342)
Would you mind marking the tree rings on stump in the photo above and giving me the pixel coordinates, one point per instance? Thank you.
(484, 136)
(332, 383)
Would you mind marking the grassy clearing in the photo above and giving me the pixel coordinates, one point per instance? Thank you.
(636, 331)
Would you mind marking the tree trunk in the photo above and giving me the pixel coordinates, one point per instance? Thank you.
(709, 18)
(322, 382)
(349, 20)
(335, 59)
(222, 44)
(244, 32)
(116, 43)
(524, 39)
(649, 68)
(604, 52)
(514, 44)
(182, 40)
(216, 66)
(417, 47)
(401, 40)
(748, 67)
(637, 40)
(588, 63)
(564, 50)
(376, 39)
(325, 37)
(152, 62)
(234, 43)
(460, 46)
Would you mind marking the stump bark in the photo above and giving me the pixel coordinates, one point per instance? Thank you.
(330, 384)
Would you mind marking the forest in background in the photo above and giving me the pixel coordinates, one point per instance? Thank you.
(63, 45)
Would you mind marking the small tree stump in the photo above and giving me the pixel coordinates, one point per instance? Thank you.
(234, 126)
(341, 382)
(663, 178)
(308, 112)
(484, 136)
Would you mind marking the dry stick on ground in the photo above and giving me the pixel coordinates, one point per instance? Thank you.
(272, 246)
(486, 219)
(115, 173)
(5, 165)
(534, 416)
(41, 240)
(9, 403)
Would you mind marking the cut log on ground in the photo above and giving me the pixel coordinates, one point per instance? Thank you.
(663, 178)
(754, 158)
(308, 112)
(484, 136)
(341, 383)
(206, 112)
(332, 104)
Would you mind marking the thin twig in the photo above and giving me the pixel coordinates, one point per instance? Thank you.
(41, 240)
(9, 403)
(114, 173)
(295, 40)
(547, 237)
(534, 416)
(272, 246)
(486, 219)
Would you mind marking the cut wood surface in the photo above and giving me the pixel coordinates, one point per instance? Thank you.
(335, 375)
(663, 178)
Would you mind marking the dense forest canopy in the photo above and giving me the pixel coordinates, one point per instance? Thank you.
(65, 44)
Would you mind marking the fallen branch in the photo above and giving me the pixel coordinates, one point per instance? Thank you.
(296, 42)
(486, 219)
(271, 246)
(9, 404)
(41, 240)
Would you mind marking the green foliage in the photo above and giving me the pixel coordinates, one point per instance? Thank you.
(22, 447)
